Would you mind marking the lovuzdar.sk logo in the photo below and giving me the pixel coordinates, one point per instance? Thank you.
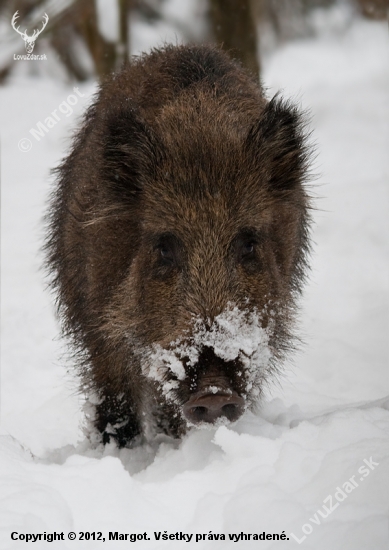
(29, 41)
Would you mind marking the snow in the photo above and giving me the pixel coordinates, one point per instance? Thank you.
(108, 19)
(180, 21)
(297, 466)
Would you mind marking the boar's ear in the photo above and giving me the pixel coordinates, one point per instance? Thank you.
(277, 143)
(131, 152)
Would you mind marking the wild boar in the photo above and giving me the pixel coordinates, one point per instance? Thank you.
(177, 243)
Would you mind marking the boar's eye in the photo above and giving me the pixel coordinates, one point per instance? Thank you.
(248, 248)
(167, 250)
(245, 246)
(166, 253)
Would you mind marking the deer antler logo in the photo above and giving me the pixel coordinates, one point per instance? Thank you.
(29, 40)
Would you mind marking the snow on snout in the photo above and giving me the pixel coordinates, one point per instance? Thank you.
(234, 334)
(161, 361)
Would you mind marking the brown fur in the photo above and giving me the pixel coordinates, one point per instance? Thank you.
(180, 169)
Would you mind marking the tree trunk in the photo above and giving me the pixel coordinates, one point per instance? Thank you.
(234, 29)
(375, 9)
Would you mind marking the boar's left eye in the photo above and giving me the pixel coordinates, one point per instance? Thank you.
(248, 248)
(245, 246)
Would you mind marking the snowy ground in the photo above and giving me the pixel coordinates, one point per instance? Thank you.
(327, 424)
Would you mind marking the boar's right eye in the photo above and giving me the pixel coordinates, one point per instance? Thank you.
(166, 254)
(167, 250)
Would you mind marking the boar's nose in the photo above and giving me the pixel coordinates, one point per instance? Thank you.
(209, 407)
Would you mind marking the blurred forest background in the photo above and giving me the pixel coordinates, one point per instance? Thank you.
(90, 38)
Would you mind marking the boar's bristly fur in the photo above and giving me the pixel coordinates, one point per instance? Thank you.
(177, 242)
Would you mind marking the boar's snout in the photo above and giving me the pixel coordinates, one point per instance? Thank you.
(209, 407)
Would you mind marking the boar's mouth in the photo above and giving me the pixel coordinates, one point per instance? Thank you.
(208, 392)
(213, 374)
